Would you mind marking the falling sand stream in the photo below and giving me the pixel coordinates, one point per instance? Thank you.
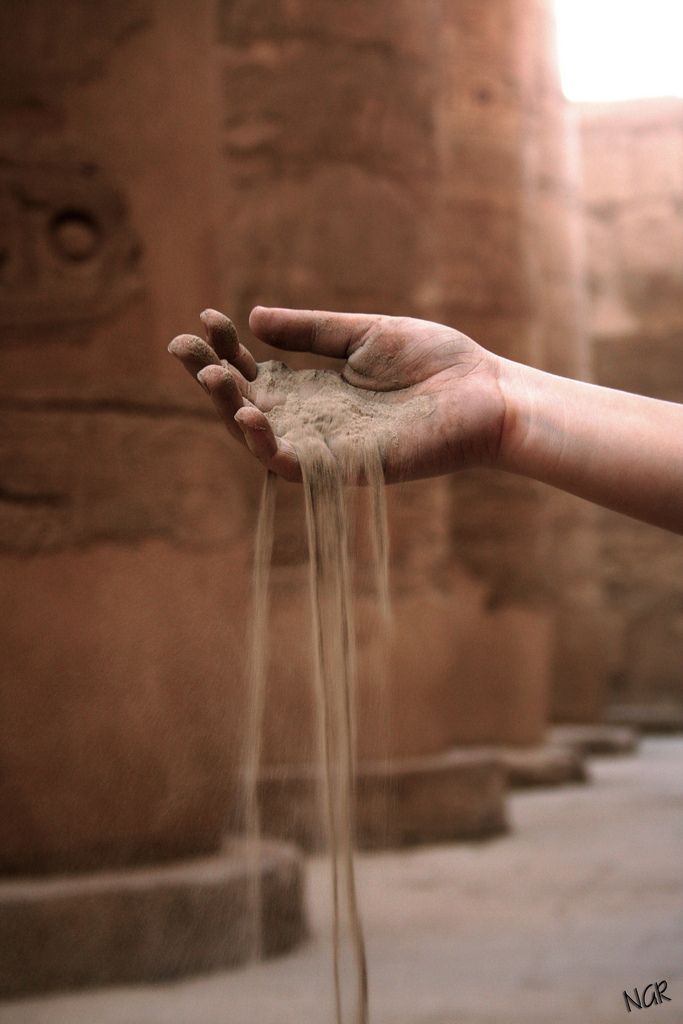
(339, 433)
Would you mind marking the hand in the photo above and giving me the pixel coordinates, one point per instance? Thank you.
(427, 394)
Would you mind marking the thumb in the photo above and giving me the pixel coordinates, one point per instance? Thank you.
(311, 330)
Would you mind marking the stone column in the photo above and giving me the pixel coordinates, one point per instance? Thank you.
(633, 192)
(330, 184)
(510, 277)
(126, 517)
(582, 628)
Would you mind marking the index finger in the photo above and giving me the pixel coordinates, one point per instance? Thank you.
(222, 336)
(312, 330)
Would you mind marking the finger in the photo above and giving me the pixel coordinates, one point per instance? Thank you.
(277, 455)
(221, 334)
(243, 384)
(221, 386)
(193, 353)
(310, 330)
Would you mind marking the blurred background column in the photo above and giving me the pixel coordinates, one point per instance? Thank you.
(510, 275)
(633, 191)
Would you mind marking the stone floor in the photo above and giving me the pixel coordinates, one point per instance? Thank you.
(545, 926)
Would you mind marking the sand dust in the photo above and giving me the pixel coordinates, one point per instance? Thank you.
(314, 408)
(340, 434)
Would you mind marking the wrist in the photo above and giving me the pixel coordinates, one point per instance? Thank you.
(527, 433)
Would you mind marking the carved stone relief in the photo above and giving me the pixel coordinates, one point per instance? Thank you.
(67, 251)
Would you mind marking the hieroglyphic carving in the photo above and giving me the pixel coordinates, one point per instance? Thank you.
(67, 252)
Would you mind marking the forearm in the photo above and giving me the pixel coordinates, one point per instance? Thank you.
(619, 450)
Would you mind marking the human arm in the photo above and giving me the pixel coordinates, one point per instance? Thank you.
(453, 404)
(616, 449)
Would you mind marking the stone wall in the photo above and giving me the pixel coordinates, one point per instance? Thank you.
(633, 182)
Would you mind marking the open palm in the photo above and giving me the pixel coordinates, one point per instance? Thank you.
(426, 394)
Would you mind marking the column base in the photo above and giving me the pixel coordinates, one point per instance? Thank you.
(544, 765)
(145, 924)
(599, 740)
(653, 718)
(457, 795)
